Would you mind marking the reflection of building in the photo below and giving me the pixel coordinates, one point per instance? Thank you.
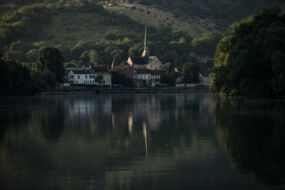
(138, 110)
(145, 139)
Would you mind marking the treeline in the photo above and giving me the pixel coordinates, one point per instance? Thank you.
(250, 59)
(19, 79)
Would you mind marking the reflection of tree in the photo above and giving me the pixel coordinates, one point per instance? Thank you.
(10, 113)
(51, 120)
(253, 133)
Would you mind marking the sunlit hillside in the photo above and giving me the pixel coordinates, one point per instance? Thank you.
(88, 34)
(155, 17)
(68, 28)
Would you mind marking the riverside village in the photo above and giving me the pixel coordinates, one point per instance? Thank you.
(144, 72)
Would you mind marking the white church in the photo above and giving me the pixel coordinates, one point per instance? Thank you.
(145, 61)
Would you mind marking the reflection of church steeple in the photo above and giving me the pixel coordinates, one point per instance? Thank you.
(145, 50)
(145, 139)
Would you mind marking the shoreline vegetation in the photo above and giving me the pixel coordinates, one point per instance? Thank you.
(250, 59)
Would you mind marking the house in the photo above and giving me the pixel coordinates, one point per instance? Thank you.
(104, 72)
(80, 76)
(87, 76)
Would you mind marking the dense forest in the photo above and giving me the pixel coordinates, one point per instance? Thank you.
(250, 59)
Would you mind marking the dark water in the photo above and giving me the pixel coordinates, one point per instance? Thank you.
(155, 141)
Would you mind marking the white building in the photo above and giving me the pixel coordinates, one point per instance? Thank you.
(87, 76)
(145, 61)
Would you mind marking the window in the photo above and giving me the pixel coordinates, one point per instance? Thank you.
(78, 76)
(86, 76)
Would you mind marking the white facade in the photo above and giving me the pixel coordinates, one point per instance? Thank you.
(154, 63)
(87, 77)
(146, 76)
(151, 63)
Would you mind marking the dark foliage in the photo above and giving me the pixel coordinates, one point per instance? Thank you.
(250, 59)
(15, 79)
(119, 79)
(50, 59)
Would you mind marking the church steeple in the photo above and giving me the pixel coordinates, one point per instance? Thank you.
(145, 49)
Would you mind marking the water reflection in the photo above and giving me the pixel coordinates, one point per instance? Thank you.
(253, 133)
(158, 141)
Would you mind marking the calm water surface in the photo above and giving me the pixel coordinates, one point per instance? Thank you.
(145, 141)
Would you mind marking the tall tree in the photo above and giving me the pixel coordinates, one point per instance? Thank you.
(191, 72)
(51, 59)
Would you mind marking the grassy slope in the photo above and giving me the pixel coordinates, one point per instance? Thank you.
(67, 28)
(70, 27)
(6, 8)
(154, 17)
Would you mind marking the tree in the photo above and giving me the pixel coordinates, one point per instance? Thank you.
(17, 50)
(249, 60)
(169, 56)
(4, 77)
(191, 73)
(168, 79)
(15, 78)
(90, 57)
(44, 81)
(50, 59)
(99, 80)
(169, 68)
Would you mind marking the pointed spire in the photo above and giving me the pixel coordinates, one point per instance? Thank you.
(145, 50)
(113, 62)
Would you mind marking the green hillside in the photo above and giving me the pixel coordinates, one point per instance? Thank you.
(155, 17)
(88, 34)
(222, 12)
(68, 28)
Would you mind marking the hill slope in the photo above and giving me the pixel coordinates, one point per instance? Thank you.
(155, 17)
(86, 34)
(223, 12)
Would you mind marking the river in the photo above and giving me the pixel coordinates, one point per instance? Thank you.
(141, 141)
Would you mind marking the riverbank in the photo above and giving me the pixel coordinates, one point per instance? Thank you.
(127, 90)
